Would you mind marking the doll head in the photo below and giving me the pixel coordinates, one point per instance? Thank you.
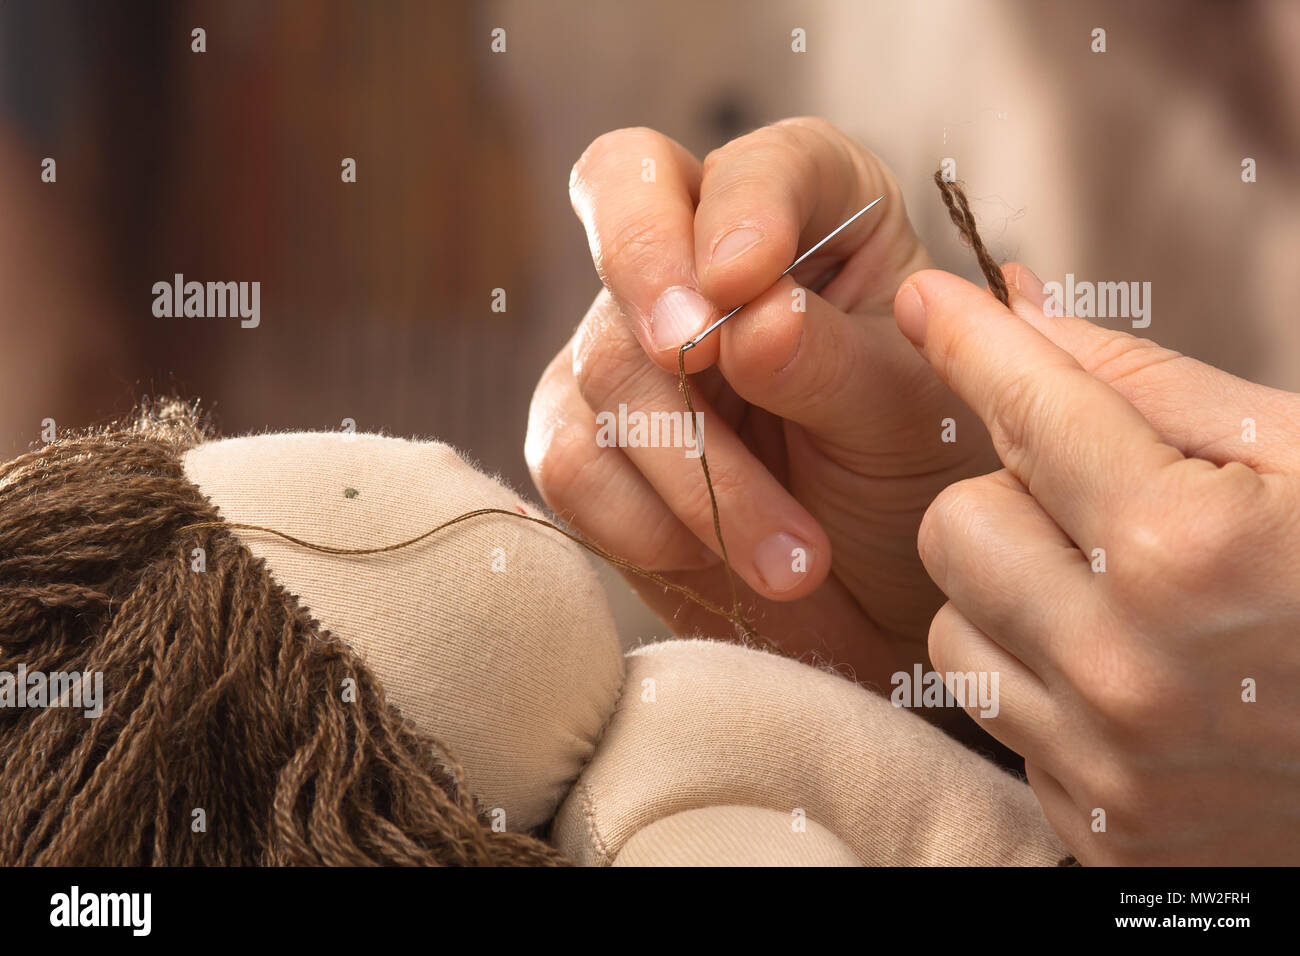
(240, 721)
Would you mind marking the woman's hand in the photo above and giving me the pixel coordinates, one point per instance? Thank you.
(823, 427)
(1132, 575)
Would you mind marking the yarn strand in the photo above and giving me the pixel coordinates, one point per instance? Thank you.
(689, 593)
(954, 197)
(744, 628)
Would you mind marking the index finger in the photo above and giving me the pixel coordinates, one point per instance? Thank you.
(1079, 447)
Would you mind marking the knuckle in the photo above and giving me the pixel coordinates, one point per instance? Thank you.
(719, 156)
(605, 366)
(1204, 530)
(1117, 684)
(635, 243)
(1017, 405)
(1144, 547)
(942, 642)
(943, 515)
(610, 149)
(834, 142)
(809, 125)
(784, 144)
(1120, 357)
(557, 457)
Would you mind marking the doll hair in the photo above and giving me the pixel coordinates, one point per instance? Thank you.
(221, 693)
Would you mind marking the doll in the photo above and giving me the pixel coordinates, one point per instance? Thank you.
(464, 700)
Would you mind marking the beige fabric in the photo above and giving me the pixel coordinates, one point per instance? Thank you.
(735, 836)
(517, 670)
(729, 725)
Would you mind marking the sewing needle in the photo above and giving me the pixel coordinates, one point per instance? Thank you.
(794, 265)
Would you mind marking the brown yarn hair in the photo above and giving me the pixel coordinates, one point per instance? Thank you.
(221, 692)
(954, 198)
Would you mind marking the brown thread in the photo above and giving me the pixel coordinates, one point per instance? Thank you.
(955, 199)
(745, 630)
(626, 565)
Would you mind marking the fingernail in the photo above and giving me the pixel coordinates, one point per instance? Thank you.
(909, 312)
(1031, 287)
(678, 315)
(782, 561)
(734, 243)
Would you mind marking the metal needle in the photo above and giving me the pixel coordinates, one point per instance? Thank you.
(794, 265)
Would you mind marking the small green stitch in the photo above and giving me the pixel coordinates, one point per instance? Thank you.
(350, 492)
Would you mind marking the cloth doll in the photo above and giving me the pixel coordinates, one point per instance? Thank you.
(463, 700)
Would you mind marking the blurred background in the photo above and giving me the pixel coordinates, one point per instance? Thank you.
(376, 297)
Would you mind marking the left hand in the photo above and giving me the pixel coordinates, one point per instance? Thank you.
(1125, 689)
(821, 419)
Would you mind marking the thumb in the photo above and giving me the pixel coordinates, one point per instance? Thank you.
(1202, 411)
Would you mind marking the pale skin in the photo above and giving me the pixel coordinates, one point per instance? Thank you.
(1123, 689)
